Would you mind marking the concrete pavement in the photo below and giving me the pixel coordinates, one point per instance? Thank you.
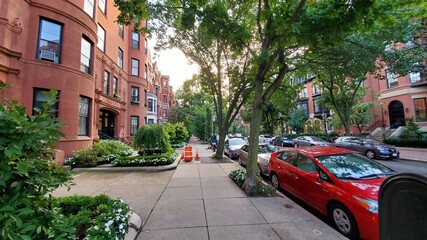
(198, 200)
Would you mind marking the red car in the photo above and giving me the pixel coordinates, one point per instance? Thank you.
(336, 182)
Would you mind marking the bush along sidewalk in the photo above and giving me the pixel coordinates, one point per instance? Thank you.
(238, 176)
(156, 160)
(98, 217)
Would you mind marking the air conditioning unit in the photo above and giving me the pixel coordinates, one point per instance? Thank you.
(47, 55)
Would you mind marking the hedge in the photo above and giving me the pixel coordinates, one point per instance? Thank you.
(406, 143)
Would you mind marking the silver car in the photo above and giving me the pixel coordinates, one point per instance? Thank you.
(264, 154)
(232, 145)
(304, 141)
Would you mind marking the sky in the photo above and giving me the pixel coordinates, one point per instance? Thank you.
(173, 62)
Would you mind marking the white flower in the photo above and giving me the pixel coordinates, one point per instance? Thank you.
(96, 228)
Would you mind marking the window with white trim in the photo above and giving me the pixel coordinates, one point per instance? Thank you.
(84, 106)
(102, 4)
(50, 41)
(106, 82)
(135, 67)
(101, 38)
(120, 58)
(135, 40)
(88, 7)
(134, 124)
(86, 56)
(392, 80)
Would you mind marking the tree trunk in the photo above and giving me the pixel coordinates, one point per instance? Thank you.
(250, 178)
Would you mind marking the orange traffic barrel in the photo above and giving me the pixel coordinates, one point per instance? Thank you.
(188, 153)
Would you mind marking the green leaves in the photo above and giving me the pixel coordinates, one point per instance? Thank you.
(27, 172)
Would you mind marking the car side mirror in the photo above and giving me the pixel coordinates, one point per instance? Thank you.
(313, 175)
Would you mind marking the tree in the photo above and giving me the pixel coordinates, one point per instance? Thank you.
(360, 115)
(341, 68)
(412, 131)
(208, 123)
(296, 119)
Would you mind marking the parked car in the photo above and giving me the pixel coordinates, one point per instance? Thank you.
(303, 141)
(264, 152)
(368, 147)
(265, 138)
(282, 141)
(232, 145)
(336, 182)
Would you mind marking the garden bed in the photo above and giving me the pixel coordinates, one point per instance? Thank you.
(262, 190)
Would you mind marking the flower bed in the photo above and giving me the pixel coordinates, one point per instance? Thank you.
(97, 217)
(238, 176)
(157, 160)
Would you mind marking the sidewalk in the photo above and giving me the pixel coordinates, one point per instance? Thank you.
(202, 202)
(198, 200)
(417, 154)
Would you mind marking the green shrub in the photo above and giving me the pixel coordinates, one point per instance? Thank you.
(160, 160)
(151, 137)
(104, 151)
(98, 217)
(406, 143)
(238, 176)
(412, 132)
(28, 174)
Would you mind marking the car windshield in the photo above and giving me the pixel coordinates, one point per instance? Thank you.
(371, 141)
(352, 166)
(316, 139)
(267, 136)
(267, 148)
(236, 141)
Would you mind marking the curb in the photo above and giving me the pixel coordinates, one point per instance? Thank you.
(135, 226)
(412, 160)
(130, 169)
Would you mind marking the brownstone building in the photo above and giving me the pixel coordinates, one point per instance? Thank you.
(102, 70)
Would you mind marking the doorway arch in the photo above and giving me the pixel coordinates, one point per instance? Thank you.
(107, 119)
(396, 114)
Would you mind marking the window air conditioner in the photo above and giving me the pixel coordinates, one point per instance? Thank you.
(47, 55)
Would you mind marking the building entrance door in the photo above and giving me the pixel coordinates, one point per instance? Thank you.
(396, 114)
(107, 120)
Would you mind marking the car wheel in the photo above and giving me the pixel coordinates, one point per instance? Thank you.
(283, 144)
(312, 145)
(296, 145)
(344, 221)
(258, 170)
(370, 154)
(275, 181)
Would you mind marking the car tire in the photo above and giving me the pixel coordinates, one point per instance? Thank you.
(343, 221)
(296, 145)
(274, 181)
(370, 154)
(283, 144)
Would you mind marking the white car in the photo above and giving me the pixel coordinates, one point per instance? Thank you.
(265, 138)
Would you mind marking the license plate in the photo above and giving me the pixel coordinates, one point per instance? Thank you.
(394, 154)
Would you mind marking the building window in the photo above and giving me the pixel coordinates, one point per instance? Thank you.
(84, 105)
(145, 97)
(391, 79)
(420, 109)
(134, 124)
(39, 98)
(150, 121)
(135, 40)
(152, 105)
(49, 46)
(165, 99)
(101, 38)
(145, 71)
(106, 82)
(88, 7)
(165, 112)
(121, 30)
(135, 67)
(120, 58)
(165, 84)
(134, 95)
(304, 94)
(115, 85)
(415, 77)
(102, 5)
(86, 56)
(146, 46)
